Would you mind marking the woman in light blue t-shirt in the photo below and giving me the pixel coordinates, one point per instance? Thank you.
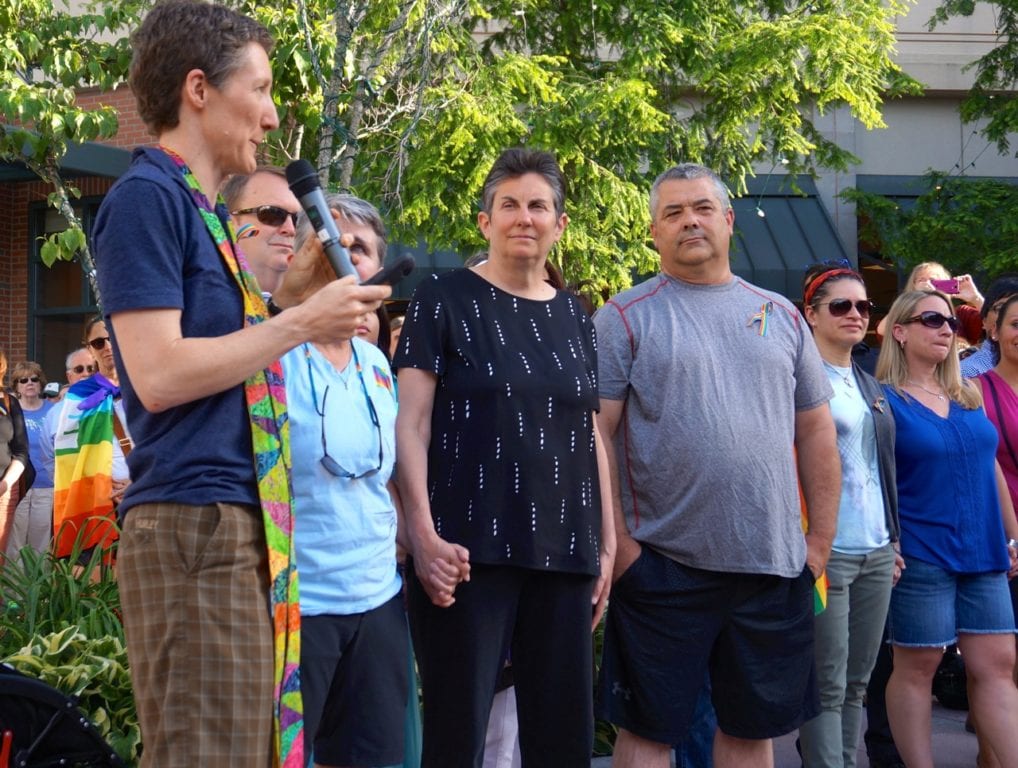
(864, 561)
(354, 639)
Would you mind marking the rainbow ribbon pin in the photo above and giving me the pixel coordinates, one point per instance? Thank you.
(762, 317)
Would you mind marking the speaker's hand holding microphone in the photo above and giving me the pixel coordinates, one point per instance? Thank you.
(336, 310)
(307, 188)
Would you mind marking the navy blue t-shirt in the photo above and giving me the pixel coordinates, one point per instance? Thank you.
(153, 251)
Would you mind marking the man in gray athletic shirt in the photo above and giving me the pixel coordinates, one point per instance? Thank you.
(715, 400)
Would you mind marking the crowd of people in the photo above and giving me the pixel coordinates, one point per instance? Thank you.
(295, 526)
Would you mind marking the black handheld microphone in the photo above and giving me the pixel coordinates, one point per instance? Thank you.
(306, 187)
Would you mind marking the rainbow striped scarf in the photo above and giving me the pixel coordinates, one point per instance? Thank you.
(270, 437)
(82, 476)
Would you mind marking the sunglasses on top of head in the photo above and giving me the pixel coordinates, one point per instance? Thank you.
(931, 319)
(269, 215)
(841, 307)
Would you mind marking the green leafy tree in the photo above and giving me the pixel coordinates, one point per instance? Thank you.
(408, 102)
(46, 53)
(994, 94)
(969, 225)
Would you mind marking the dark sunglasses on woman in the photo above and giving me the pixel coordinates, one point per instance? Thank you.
(26, 379)
(931, 319)
(841, 307)
(269, 215)
(98, 343)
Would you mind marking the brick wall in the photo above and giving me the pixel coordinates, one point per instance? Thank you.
(131, 130)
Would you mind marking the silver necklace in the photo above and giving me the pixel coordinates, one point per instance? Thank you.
(937, 395)
(845, 377)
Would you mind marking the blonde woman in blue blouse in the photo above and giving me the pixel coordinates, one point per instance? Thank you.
(957, 533)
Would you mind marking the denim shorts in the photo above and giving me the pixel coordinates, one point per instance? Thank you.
(930, 606)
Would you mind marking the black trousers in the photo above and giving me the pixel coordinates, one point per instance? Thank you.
(539, 619)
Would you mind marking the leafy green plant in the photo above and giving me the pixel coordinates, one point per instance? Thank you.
(44, 594)
(967, 224)
(94, 670)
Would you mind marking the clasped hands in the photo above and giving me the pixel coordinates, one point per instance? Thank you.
(440, 567)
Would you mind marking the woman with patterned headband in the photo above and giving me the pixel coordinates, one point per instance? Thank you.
(863, 558)
(957, 533)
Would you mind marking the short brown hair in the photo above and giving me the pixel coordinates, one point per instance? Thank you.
(513, 163)
(92, 323)
(27, 368)
(178, 36)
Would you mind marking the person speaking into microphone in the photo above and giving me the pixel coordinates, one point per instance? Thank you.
(206, 568)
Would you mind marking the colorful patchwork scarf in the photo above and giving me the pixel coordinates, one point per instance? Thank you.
(82, 474)
(270, 436)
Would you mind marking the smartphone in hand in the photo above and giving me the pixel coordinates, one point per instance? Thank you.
(949, 286)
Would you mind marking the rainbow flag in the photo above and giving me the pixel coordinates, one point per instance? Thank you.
(82, 479)
(820, 588)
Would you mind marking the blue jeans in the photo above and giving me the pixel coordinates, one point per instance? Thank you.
(930, 606)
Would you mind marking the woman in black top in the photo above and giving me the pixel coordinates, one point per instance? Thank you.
(13, 457)
(498, 470)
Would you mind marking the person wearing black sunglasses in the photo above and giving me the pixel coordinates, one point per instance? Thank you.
(33, 519)
(354, 639)
(864, 562)
(265, 214)
(78, 365)
(92, 438)
(958, 532)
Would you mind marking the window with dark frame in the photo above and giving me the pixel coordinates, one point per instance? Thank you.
(60, 299)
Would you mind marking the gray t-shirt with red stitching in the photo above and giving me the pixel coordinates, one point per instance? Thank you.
(712, 377)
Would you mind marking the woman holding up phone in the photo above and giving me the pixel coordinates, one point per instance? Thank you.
(957, 533)
(933, 276)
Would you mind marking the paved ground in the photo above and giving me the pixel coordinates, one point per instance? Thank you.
(953, 747)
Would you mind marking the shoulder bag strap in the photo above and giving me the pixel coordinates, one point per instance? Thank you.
(121, 434)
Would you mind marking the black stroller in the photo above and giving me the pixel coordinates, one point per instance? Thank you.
(42, 727)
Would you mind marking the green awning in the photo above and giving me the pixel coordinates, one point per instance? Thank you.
(773, 250)
(88, 159)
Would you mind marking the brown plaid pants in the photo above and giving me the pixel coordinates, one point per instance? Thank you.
(194, 585)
